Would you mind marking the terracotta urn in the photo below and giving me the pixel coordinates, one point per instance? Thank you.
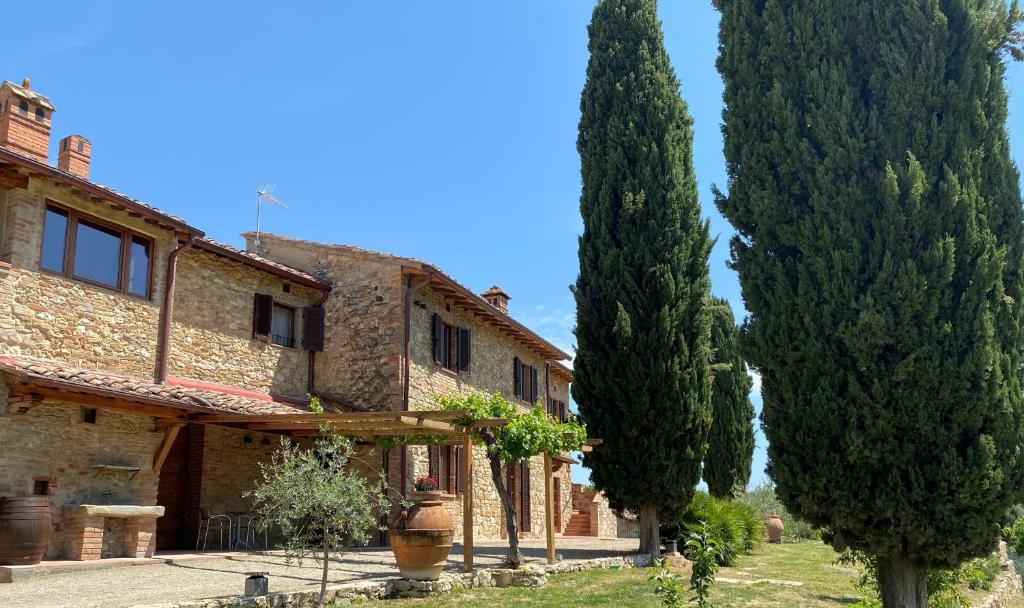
(775, 527)
(421, 537)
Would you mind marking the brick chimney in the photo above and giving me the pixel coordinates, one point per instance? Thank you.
(25, 120)
(74, 155)
(497, 298)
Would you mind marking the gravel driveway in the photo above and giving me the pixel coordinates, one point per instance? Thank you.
(191, 576)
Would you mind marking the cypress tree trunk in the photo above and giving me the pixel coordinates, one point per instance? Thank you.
(902, 584)
(642, 377)
(650, 535)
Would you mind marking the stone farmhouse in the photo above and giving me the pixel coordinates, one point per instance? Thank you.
(126, 334)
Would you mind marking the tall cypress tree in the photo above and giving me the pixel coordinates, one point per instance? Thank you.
(731, 440)
(643, 324)
(879, 252)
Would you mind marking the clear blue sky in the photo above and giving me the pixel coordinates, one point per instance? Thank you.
(445, 131)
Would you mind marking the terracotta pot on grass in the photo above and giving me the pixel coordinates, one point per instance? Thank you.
(422, 537)
(775, 528)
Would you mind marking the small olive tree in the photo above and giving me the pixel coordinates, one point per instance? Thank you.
(317, 500)
(526, 435)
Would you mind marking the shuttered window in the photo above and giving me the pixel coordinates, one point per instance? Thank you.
(262, 316)
(434, 461)
(458, 469)
(557, 410)
(524, 496)
(451, 345)
(525, 383)
(313, 318)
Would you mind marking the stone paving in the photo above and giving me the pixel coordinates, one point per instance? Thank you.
(199, 576)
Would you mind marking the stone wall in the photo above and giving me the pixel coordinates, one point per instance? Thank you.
(211, 336)
(54, 317)
(361, 362)
(231, 466)
(51, 443)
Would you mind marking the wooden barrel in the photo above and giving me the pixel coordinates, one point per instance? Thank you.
(24, 529)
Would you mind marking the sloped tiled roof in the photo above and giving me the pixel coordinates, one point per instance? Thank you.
(468, 296)
(251, 259)
(59, 375)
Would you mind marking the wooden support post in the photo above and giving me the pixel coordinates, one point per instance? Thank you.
(170, 434)
(467, 503)
(549, 507)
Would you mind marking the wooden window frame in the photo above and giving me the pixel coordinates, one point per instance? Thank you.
(74, 216)
(525, 376)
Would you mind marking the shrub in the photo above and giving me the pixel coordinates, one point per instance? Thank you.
(1014, 535)
(736, 528)
(979, 573)
(763, 501)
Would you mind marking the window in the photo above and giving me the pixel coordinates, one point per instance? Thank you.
(55, 234)
(40, 115)
(444, 466)
(23, 108)
(91, 250)
(41, 487)
(282, 329)
(557, 410)
(525, 384)
(97, 254)
(274, 322)
(89, 415)
(451, 345)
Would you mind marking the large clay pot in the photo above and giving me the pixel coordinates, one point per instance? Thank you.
(24, 529)
(775, 528)
(422, 537)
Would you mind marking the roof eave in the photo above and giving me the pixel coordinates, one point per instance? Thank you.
(549, 350)
(255, 263)
(98, 191)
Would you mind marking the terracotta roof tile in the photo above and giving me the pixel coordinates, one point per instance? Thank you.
(227, 403)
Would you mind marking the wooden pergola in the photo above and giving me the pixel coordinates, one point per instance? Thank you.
(415, 428)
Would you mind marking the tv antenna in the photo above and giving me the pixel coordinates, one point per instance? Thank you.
(264, 194)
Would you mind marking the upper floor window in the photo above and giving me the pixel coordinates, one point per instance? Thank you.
(274, 322)
(557, 410)
(525, 382)
(23, 108)
(282, 329)
(451, 345)
(94, 251)
(40, 115)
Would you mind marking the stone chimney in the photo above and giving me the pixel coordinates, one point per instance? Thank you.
(25, 120)
(74, 155)
(497, 298)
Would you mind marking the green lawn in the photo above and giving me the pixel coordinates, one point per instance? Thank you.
(809, 563)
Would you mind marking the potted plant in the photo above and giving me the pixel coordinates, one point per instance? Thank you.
(421, 535)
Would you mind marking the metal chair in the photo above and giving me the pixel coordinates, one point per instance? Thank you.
(252, 522)
(216, 522)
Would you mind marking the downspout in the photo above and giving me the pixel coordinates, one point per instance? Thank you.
(310, 375)
(163, 340)
(410, 289)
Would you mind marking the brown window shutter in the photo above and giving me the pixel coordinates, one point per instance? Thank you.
(262, 313)
(313, 328)
(433, 458)
(524, 497)
(463, 348)
(562, 414)
(534, 385)
(517, 378)
(437, 339)
(458, 469)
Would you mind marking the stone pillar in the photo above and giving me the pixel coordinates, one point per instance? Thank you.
(140, 537)
(83, 537)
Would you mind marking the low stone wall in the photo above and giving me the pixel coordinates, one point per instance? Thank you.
(527, 576)
(1007, 586)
